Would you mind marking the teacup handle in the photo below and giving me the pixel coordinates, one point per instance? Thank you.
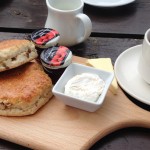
(87, 27)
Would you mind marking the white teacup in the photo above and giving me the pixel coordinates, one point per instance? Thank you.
(144, 61)
(66, 16)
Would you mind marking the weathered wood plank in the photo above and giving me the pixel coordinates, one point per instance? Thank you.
(93, 47)
(129, 19)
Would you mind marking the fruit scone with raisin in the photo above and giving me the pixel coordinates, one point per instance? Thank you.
(24, 90)
(24, 86)
(16, 52)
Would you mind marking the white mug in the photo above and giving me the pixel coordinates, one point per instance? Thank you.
(66, 16)
(144, 61)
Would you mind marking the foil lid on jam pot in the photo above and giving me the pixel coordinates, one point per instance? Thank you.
(45, 37)
(56, 57)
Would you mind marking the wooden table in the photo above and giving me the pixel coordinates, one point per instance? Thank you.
(114, 30)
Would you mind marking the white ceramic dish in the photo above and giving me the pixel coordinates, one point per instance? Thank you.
(108, 3)
(128, 77)
(72, 70)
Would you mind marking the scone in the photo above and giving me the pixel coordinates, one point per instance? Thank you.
(15, 52)
(24, 90)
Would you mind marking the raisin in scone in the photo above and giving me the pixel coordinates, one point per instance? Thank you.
(16, 52)
(23, 90)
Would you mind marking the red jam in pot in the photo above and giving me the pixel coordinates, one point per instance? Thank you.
(55, 60)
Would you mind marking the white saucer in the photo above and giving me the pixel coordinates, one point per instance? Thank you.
(128, 77)
(108, 3)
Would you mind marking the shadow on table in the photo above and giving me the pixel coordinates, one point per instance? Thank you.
(4, 4)
(112, 13)
(5, 145)
(125, 139)
(138, 103)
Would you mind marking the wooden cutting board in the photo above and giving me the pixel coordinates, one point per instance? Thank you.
(56, 126)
